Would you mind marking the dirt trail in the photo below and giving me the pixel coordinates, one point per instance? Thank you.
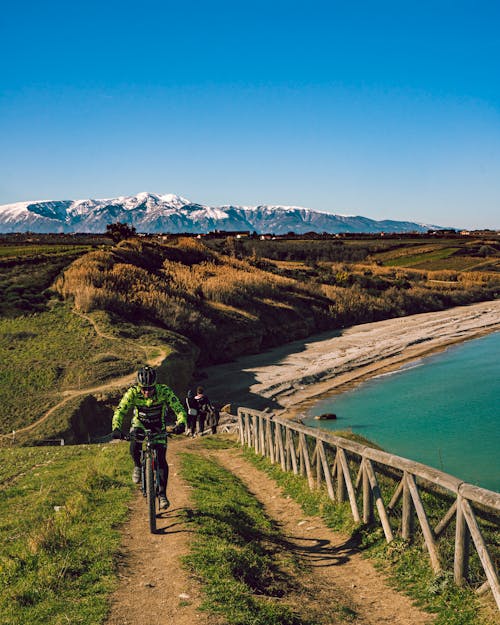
(154, 362)
(337, 578)
(338, 571)
(154, 588)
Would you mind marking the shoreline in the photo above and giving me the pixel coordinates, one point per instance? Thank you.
(358, 376)
(291, 378)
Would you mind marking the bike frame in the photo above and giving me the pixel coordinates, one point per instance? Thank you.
(150, 478)
(150, 475)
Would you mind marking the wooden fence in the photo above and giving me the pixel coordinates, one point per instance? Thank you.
(349, 471)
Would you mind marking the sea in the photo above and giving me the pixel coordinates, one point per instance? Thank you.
(442, 410)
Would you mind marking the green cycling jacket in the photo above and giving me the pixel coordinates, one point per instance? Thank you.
(149, 413)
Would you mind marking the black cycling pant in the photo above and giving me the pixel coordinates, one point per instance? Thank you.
(136, 438)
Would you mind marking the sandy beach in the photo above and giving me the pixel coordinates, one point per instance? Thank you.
(291, 377)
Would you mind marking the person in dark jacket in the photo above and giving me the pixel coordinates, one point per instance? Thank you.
(205, 409)
(192, 413)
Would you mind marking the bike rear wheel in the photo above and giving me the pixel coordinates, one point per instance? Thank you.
(151, 494)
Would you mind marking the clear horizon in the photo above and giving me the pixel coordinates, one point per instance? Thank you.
(365, 109)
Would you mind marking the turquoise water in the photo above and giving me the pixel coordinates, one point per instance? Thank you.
(443, 411)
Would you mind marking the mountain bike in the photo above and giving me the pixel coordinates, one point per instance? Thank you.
(150, 478)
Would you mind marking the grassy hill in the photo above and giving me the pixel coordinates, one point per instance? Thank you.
(61, 509)
(199, 302)
(244, 298)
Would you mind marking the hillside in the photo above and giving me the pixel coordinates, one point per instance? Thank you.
(199, 302)
(238, 299)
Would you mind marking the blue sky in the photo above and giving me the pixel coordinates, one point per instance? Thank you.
(382, 109)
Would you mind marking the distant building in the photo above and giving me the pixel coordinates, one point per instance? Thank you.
(238, 234)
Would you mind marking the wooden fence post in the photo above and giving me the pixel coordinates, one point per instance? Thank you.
(321, 456)
(462, 540)
(408, 518)
(294, 452)
(424, 524)
(262, 436)
(302, 468)
(249, 430)
(482, 550)
(344, 469)
(278, 435)
(378, 501)
(306, 462)
(241, 427)
(367, 496)
(269, 441)
(316, 459)
(341, 494)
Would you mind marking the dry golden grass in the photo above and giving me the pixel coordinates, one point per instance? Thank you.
(213, 298)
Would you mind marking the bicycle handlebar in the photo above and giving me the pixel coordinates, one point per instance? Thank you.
(148, 435)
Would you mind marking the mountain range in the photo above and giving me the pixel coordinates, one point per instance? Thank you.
(151, 213)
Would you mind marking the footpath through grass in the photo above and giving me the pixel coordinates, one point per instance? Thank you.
(407, 567)
(248, 575)
(60, 510)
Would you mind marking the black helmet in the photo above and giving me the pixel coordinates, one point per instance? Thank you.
(146, 376)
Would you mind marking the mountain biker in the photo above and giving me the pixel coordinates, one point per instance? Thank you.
(150, 402)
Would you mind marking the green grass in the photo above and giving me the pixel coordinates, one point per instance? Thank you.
(16, 251)
(26, 281)
(45, 353)
(60, 511)
(407, 567)
(443, 259)
(248, 575)
(427, 260)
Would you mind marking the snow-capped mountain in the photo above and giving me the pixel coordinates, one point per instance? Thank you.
(149, 212)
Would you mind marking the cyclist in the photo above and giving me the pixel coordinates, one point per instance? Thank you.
(150, 402)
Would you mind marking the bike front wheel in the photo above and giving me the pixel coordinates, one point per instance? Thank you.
(151, 494)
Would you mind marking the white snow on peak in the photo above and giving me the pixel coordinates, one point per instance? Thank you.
(151, 200)
(174, 200)
(210, 212)
(274, 207)
(16, 209)
(292, 209)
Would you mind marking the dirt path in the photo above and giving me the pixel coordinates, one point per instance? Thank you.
(154, 588)
(154, 362)
(338, 580)
(338, 572)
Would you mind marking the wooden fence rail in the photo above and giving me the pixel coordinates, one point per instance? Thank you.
(349, 472)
